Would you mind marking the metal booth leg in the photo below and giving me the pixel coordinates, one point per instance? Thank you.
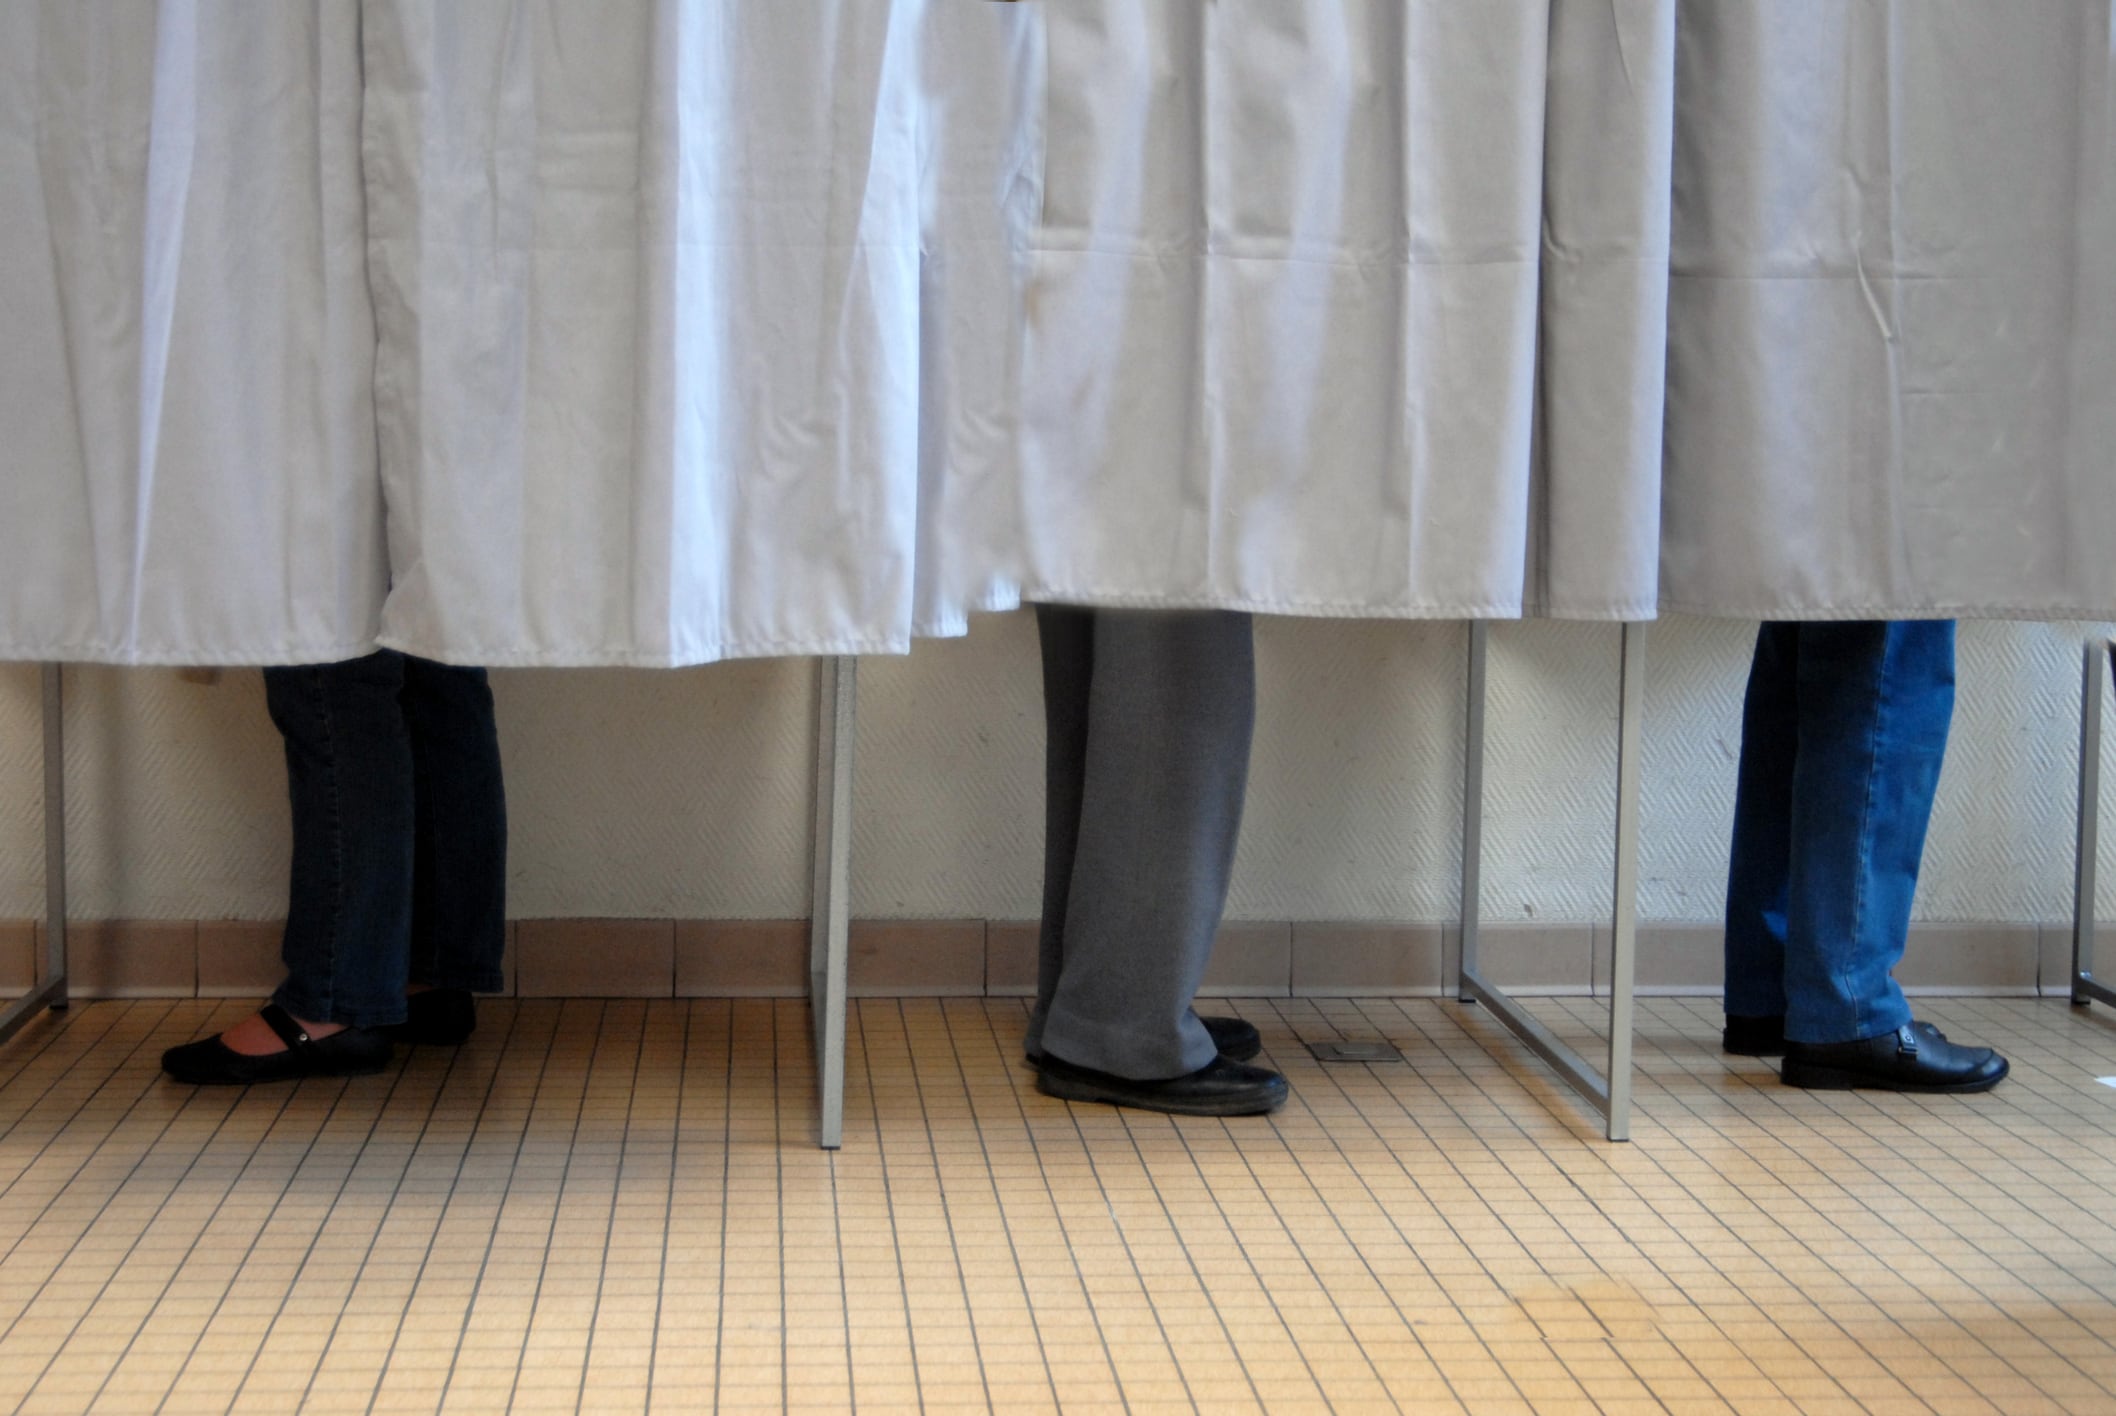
(1610, 1093)
(830, 898)
(50, 992)
(2093, 691)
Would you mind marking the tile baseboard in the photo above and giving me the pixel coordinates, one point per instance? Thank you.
(638, 958)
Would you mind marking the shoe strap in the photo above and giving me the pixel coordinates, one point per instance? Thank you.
(279, 1020)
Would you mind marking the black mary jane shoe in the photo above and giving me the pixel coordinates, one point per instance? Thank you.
(1220, 1088)
(1236, 1038)
(1754, 1037)
(437, 1017)
(1916, 1057)
(350, 1052)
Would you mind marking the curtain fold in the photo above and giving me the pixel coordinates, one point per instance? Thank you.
(1602, 353)
(1281, 330)
(654, 332)
(1892, 384)
(187, 464)
(1298, 261)
(696, 320)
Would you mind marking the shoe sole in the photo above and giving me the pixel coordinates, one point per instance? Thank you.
(1808, 1077)
(433, 1039)
(1752, 1051)
(362, 1070)
(1240, 1054)
(1066, 1089)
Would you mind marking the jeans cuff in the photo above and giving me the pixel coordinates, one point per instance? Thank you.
(381, 1014)
(469, 980)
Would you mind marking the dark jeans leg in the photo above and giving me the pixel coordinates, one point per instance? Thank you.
(459, 841)
(1876, 704)
(1759, 873)
(349, 777)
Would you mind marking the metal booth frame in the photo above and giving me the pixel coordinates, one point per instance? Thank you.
(2099, 659)
(830, 899)
(831, 887)
(1607, 1092)
(49, 991)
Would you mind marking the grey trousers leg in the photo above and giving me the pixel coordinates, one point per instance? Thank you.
(1149, 716)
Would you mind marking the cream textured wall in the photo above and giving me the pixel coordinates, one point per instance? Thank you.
(686, 794)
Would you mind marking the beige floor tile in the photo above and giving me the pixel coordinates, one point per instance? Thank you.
(627, 1192)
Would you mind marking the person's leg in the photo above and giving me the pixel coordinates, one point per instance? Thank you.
(459, 838)
(1759, 867)
(349, 778)
(1067, 637)
(1876, 703)
(1171, 708)
(348, 931)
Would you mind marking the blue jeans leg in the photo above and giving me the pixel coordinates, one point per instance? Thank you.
(1870, 708)
(1760, 871)
(459, 834)
(349, 777)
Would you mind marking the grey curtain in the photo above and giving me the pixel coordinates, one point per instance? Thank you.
(668, 330)
(1297, 263)
(1892, 350)
(665, 330)
(697, 321)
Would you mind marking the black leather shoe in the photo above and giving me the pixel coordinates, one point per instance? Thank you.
(1220, 1088)
(437, 1017)
(1913, 1058)
(350, 1052)
(1753, 1037)
(1238, 1041)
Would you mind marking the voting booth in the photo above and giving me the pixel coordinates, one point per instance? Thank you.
(657, 332)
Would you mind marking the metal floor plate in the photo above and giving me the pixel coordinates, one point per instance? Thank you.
(1354, 1052)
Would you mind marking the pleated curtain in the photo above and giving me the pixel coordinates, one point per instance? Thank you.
(665, 330)
(1892, 361)
(696, 321)
(187, 427)
(659, 331)
(1290, 292)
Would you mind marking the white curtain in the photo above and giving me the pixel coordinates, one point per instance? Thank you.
(689, 327)
(187, 451)
(1297, 260)
(670, 330)
(695, 321)
(1893, 327)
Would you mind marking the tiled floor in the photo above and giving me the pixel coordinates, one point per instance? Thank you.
(616, 1206)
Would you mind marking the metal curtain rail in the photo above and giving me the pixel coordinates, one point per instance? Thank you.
(1609, 1093)
(2100, 657)
(49, 991)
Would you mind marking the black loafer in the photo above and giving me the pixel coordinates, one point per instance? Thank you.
(209, 1062)
(1914, 1058)
(1237, 1040)
(1220, 1088)
(1753, 1037)
(437, 1017)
